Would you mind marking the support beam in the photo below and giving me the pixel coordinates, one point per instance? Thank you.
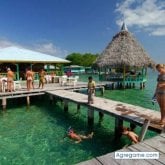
(90, 117)
(78, 108)
(118, 126)
(144, 129)
(101, 115)
(51, 99)
(28, 100)
(102, 89)
(132, 126)
(4, 103)
(65, 105)
(17, 72)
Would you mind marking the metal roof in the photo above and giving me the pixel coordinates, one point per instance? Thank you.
(21, 55)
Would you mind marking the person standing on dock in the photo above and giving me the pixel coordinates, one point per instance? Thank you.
(91, 90)
(29, 78)
(160, 92)
(10, 83)
(42, 78)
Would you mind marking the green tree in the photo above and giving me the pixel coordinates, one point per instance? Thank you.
(86, 59)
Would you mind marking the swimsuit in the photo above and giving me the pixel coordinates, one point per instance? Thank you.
(161, 79)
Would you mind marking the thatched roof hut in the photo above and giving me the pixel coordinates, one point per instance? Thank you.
(124, 50)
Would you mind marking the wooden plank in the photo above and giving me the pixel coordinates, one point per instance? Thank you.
(24, 95)
(90, 162)
(145, 148)
(108, 158)
(157, 142)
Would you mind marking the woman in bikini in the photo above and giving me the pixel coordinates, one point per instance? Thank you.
(160, 91)
(29, 79)
(42, 74)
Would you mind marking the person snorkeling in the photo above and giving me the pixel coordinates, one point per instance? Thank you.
(78, 137)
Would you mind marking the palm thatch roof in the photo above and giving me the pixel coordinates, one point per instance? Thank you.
(125, 50)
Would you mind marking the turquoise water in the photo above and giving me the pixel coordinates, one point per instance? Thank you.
(34, 135)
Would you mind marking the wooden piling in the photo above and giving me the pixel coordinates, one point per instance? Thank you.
(144, 84)
(144, 129)
(113, 86)
(66, 105)
(51, 99)
(90, 116)
(101, 115)
(28, 100)
(4, 103)
(132, 126)
(118, 126)
(78, 108)
(102, 90)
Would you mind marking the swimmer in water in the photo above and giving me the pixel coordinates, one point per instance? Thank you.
(130, 134)
(78, 137)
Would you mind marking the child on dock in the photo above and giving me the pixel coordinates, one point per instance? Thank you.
(130, 134)
(78, 137)
(91, 90)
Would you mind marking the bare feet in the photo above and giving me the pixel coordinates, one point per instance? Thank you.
(91, 135)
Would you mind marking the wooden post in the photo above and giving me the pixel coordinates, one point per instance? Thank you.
(55, 100)
(144, 84)
(144, 129)
(28, 100)
(118, 126)
(66, 105)
(101, 115)
(102, 91)
(51, 98)
(141, 86)
(4, 103)
(113, 85)
(78, 108)
(133, 85)
(90, 116)
(132, 126)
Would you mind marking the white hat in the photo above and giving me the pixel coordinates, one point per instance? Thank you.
(8, 69)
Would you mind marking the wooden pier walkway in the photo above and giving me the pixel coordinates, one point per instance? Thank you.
(124, 111)
(156, 144)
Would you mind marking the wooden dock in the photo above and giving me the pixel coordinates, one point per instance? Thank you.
(127, 112)
(146, 118)
(156, 144)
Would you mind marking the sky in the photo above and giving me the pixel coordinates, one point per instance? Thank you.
(61, 27)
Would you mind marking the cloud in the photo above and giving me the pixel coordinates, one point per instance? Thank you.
(6, 43)
(50, 48)
(144, 14)
(46, 47)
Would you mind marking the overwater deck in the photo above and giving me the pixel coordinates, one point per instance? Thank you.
(124, 111)
(119, 110)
